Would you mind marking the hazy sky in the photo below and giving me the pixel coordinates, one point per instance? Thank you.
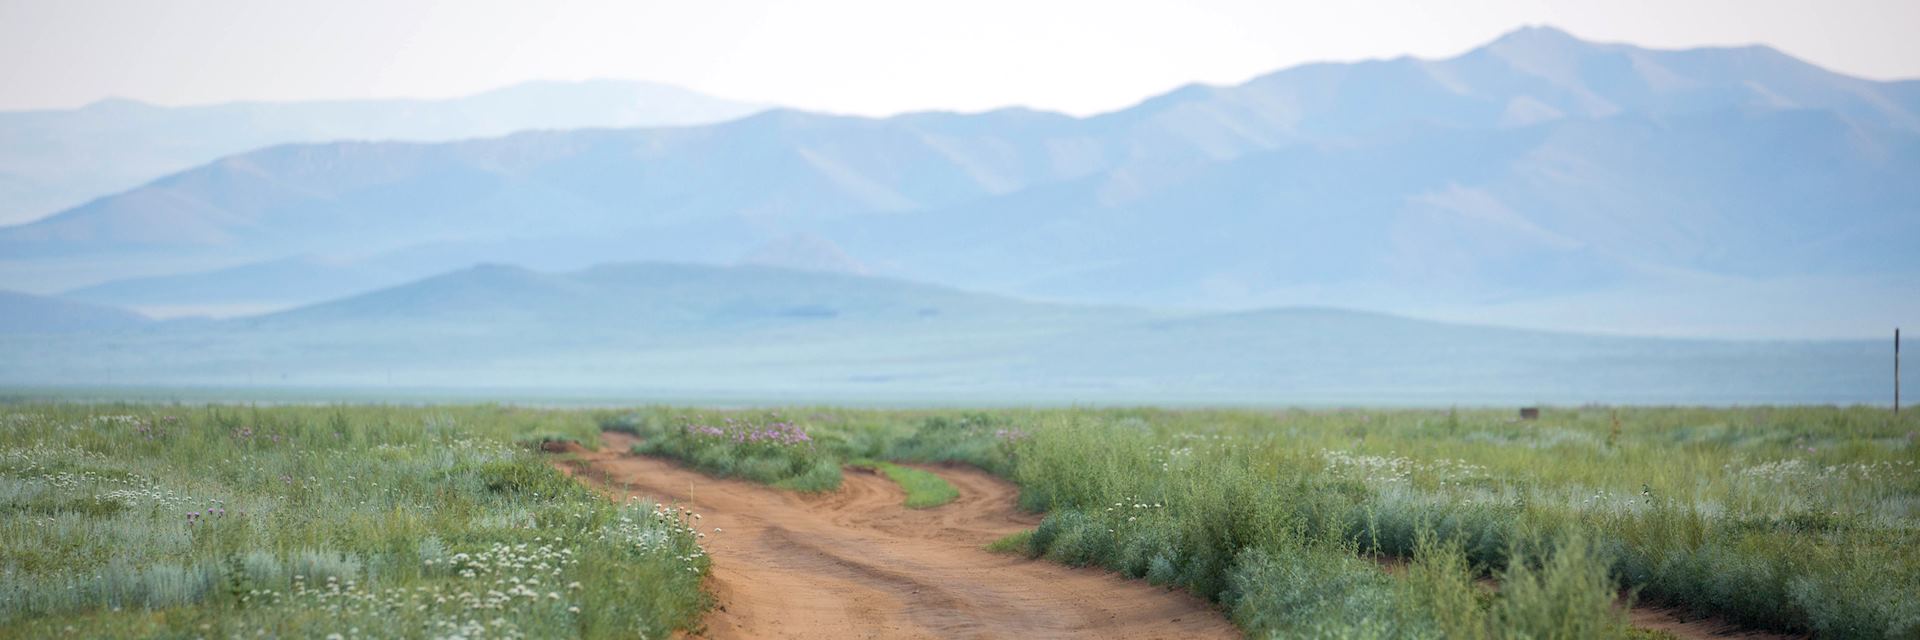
(855, 56)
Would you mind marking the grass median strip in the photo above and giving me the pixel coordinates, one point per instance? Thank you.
(925, 490)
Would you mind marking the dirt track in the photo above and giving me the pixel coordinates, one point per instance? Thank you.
(1677, 623)
(857, 564)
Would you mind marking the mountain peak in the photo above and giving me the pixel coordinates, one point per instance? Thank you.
(1536, 40)
(1538, 33)
(116, 104)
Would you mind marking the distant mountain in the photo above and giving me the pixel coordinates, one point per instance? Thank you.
(54, 160)
(709, 194)
(643, 331)
(1552, 209)
(241, 290)
(22, 313)
(620, 299)
(1530, 76)
(1539, 167)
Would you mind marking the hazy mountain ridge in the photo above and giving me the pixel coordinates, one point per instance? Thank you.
(673, 330)
(23, 313)
(621, 297)
(55, 159)
(1522, 211)
(280, 281)
(1538, 165)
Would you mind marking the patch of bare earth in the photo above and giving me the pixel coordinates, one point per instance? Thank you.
(1677, 623)
(855, 563)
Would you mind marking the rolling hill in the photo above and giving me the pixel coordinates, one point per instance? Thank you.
(28, 314)
(679, 332)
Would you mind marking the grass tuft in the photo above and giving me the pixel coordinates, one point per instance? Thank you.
(925, 489)
(1017, 542)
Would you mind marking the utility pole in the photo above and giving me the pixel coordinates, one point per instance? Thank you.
(1896, 371)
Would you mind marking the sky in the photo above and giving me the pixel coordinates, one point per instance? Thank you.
(869, 57)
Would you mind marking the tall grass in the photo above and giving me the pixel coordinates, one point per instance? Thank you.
(140, 521)
(1788, 519)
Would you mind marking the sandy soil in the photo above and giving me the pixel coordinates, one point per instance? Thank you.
(857, 564)
(1678, 623)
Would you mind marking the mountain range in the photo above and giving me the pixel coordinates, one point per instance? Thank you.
(675, 332)
(1539, 180)
(53, 160)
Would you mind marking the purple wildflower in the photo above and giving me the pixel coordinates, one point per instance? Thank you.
(742, 432)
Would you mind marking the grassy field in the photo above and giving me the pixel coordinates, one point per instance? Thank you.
(145, 521)
(1790, 519)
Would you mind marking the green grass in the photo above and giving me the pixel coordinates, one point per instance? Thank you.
(1016, 542)
(1795, 519)
(925, 490)
(143, 521)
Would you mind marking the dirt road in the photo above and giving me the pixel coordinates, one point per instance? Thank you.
(857, 564)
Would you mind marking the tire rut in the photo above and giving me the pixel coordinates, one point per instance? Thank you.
(857, 563)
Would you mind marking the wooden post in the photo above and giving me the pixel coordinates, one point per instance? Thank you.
(1896, 371)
